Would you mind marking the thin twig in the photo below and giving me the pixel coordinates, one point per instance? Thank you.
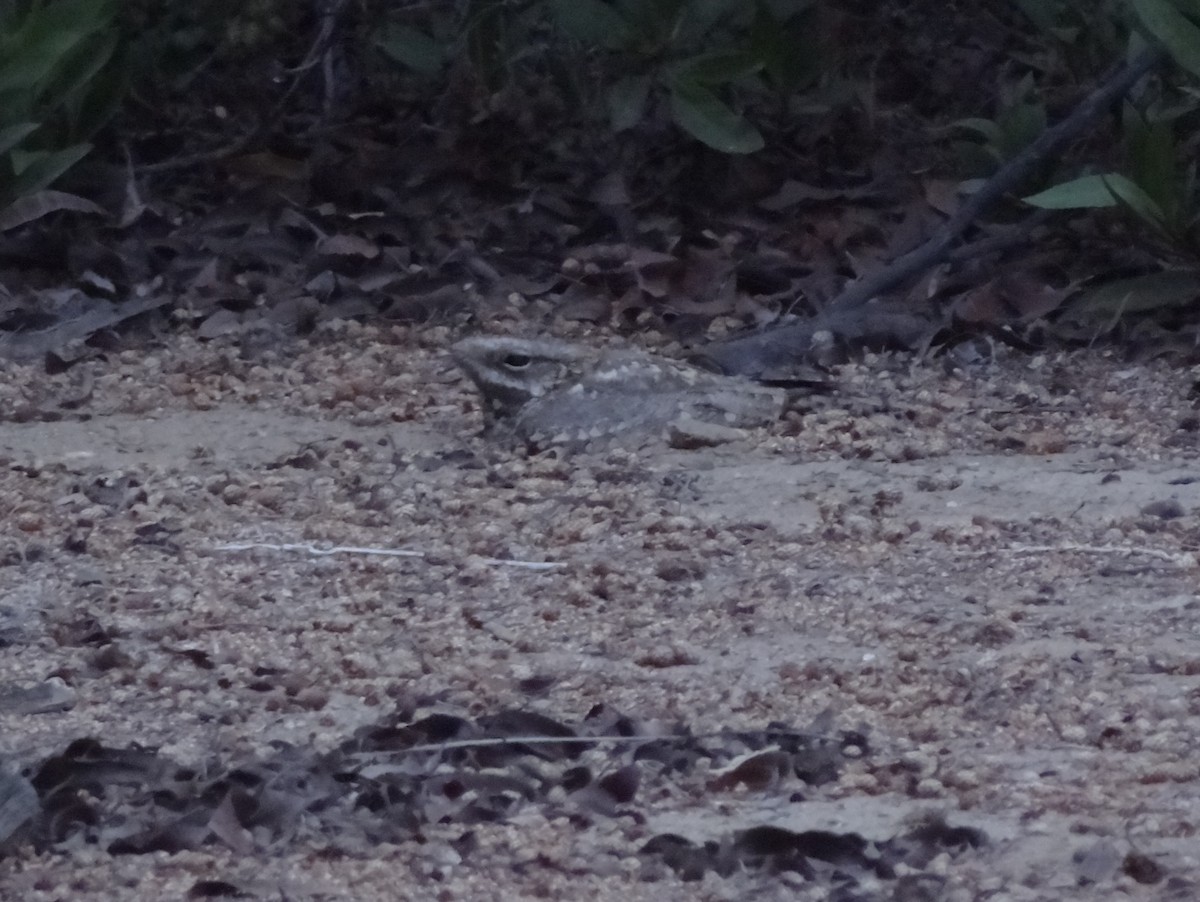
(318, 551)
(204, 157)
(1185, 559)
(493, 742)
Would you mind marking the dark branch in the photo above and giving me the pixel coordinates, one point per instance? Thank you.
(780, 345)
(1010, 175)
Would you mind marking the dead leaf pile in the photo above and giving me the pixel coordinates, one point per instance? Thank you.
(391, 781)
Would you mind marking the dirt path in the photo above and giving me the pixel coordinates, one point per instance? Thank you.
(992, 574)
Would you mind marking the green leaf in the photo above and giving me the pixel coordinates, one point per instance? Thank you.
(47, 16)
(74, 77)
(788, 47)
(657, 23)
(717, 67)
(13, 135)
(98, 101)
(976, 160)
(1019, 125)
(37, 170)
(486, 42)
(592, 22)
(42, 203)
(705, 22)
(627, 101)
(1110, 301)
(786, 9)
(1135, 199)
(1098, 191)
(707, 13)
(1084, 193)
(701, 113)
(1151, 150)
(32, 63)
(1190, 8)
(1042, 14)
(1175, 31)
(411, 47)
(49, 53)
(986, 128)
(1066, 35)
(658, 9)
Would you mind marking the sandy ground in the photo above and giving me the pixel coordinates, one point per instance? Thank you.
(992, 572)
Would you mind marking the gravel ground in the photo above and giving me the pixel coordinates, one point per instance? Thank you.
(991, 572)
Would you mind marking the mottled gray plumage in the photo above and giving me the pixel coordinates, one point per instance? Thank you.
(546, 392)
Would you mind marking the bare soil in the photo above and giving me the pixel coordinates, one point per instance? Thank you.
(990, 569)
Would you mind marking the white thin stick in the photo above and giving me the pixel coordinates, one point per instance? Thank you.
(316, 551)
(494, 741)
(527, 565)
(1179, 558)
(378, 552)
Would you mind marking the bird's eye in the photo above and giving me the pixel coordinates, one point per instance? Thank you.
(517, 361)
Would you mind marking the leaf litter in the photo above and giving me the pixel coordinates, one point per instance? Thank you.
(392, 780)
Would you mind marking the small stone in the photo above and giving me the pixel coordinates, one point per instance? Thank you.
(1169, 509)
